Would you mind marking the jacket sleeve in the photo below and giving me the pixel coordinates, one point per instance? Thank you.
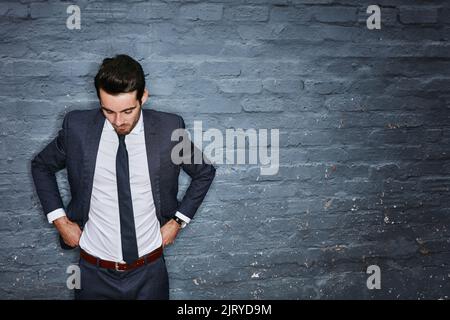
(202, 175)
(44, 166)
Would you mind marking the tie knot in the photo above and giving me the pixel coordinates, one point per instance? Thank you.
(121, 138)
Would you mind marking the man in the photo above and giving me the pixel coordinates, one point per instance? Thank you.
(124, 184)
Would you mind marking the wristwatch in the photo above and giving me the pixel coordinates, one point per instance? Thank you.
(180, 222)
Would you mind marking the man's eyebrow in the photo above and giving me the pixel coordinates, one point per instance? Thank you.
(130, 108)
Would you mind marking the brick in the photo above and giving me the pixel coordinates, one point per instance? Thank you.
(195, 86)
(219, 68)
(334, 14)
(262, 105)
(46, 10)
(203, 11)
(418, 15)
(283, 86)
(13, 10)
(98, 11)
(247, 13)
(325, 87)
(240, 86)
(148, 11)
(344, 102)
(289, 14)
(198, 106)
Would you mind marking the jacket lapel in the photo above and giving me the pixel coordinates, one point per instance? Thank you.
(151, 131)
(93, 134)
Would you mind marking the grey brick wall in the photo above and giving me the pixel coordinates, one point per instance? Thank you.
(364, 135)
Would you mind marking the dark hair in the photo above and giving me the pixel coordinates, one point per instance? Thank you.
(120, 74)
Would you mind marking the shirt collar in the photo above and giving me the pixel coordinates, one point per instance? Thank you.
(137, 128)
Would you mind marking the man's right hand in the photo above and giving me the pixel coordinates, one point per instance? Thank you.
(69, 231)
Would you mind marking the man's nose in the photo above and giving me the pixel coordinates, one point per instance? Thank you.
(118, 120)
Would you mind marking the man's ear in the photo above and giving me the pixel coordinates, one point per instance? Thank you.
(145, 96)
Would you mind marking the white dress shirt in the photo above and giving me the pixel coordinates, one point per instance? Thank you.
(101, 234)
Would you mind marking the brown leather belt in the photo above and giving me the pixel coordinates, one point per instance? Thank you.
(148, 258)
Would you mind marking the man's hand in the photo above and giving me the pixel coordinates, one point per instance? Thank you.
(169, 232)
(69, 231)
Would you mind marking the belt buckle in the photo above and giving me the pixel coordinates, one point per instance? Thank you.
(117, 266)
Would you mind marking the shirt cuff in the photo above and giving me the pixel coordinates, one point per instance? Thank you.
(55, 214)
(182, 217)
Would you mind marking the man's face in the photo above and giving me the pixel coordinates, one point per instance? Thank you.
(122, 110)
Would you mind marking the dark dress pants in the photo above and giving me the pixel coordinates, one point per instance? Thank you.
(148, 282)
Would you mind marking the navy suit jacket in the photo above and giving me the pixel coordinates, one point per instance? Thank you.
(76, 146)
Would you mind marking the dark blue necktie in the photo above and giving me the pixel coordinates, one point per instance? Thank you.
(127, 227)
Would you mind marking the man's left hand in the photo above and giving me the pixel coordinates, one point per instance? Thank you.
(169, 232)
